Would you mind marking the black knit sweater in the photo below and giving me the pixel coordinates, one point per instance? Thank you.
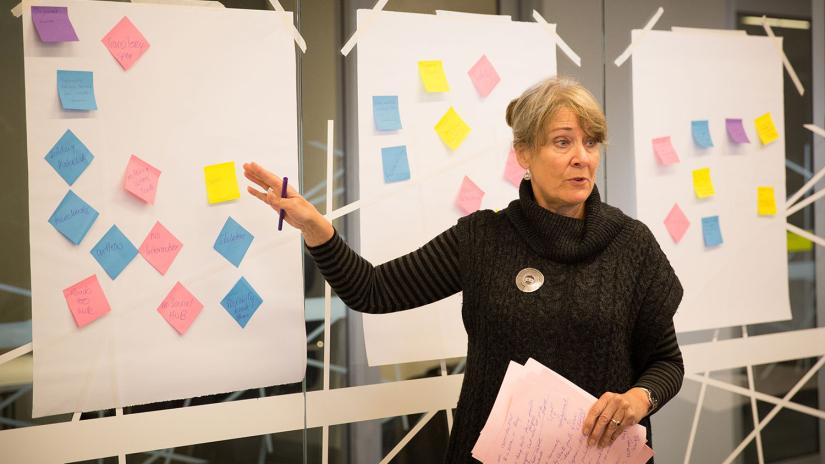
(603, 318)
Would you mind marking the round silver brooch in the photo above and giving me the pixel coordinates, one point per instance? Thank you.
(529, 280)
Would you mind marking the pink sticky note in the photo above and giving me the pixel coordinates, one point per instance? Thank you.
(86, 301)
(125, 43)
(469, 196)
(484, 76)
(160, 248)
(676, 223)
(665, 153)
(512, 171)
(141, 179)
(180, 308)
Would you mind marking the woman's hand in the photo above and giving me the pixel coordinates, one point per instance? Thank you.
(612, 413)
(300, 213)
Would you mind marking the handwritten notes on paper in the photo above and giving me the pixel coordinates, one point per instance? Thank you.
(114, 252)
(766, 129)
(484, 76)
(73, 217)
(69, 157)
(395, 165)
(52, 24)
(538, 417)
(452, 129)
(385, 113)
(513, 171)
(711, 232)
(141, 179)
(125, 43)
(233, 241)
(241, 302)
(76, 90)
(765, 201)
(702, 184)
(180, 308)
(433, 77)
(221, 182)
(701, 133)
(469, 196)
(676, 223)
(736, 131)
(160, 248)
(86, 301)
(664, 151)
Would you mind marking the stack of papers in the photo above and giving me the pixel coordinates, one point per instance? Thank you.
(538, 417)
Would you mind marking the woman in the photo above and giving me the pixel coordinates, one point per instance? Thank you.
(558, 276)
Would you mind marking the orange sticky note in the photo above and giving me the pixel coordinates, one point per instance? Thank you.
(180, 308)
(469, 196)
(221, 182)
(766, 129)
(432, 76)
(452, 129)
(141, 179)
(702, 184)
(765, 201)
(86, 301)
(125, 43)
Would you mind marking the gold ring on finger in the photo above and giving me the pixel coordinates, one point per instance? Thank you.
(616, 423)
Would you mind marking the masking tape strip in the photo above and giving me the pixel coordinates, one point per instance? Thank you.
(296, 34)
(559, 41)
(785, 62)
(629, 50)
(379, 5)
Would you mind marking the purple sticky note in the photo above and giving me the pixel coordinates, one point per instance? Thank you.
(52, 24)
(736, 131)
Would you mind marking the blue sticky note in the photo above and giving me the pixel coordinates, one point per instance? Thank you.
(394, 161)
(69, 157)
(385, 113)
(114, 252)
(701, 133)
(233, 241)
(73, 217)
(711, 232)
(76, 90)
(241, 302)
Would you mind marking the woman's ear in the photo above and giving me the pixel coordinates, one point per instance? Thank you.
(523, 156)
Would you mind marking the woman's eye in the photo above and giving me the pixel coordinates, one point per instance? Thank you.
(562, 142)
(590, 143)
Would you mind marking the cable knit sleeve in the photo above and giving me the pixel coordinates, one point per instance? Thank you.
(423, 276)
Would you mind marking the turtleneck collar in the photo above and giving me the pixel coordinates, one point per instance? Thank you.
(563, 238)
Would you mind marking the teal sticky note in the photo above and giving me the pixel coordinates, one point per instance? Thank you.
(241, 302)
(233, 241)
(69, 157)
(114, 252)
(395, 164)
(711, 232)
(76, 90)
(73, 217)
(385, 113)
(701, 133)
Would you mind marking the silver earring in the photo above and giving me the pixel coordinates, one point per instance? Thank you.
(527, 175)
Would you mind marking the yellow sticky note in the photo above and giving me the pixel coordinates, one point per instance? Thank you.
(765, 128)
(221, 182)
(702, 184)
(765, 201)
(798, 244)
(452, 129)
(433, 77)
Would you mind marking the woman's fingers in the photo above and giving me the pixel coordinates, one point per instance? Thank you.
(266, 179)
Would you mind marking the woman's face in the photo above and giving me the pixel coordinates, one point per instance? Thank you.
(564, 169)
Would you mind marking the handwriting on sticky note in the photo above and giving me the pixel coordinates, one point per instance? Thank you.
(701, 133)
(736, 131)
(702, 183)
(513, 171)
(221, 182)
(385, 113)
(432, 76)
(52, 24)
(676, 223)
(141, 179)
(469, 196)
(69, 157)
(766, 129)
(76, 90)
(241, 302)
(452, 129)
(160, 248)
(711, 231)
(114, 252)
(180, 308)
(664, 151)
(233, 241)
(484, 76)
(765, 201)
(395, 164)
(73, 217)
(125, 43)
(86, 301)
